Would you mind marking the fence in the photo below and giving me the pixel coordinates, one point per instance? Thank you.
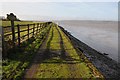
(14, 35)
(0, 44)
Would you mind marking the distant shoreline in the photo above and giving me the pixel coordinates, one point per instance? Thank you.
(100, 24)
(87, 20)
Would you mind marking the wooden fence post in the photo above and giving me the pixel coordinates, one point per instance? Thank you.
(28, 31)
(33, 29)
(39, 28)
(18, 34)
(3, 43)
(42, 25)
(13, 32)
(46, 24)
(12, 18)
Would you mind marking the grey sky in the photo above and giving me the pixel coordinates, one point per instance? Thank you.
(62, 10)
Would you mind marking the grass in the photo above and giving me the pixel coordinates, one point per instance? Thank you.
(8, 23)
(83, 68)
(62, 61)
(8, 39)
(53, 43)
(53, 71)
(58, 67)
(15, 65)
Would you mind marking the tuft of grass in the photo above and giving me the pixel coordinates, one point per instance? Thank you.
(53, 71)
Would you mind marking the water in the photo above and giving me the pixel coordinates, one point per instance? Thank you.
(102, 36)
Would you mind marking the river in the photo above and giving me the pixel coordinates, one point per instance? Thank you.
(100, 35)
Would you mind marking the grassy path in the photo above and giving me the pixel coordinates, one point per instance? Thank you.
(37, 59)
(57, 58)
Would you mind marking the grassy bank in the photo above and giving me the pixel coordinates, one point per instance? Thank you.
(63, 60)
(17, 61)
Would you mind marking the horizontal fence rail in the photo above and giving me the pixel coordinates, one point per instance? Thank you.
(14, 35)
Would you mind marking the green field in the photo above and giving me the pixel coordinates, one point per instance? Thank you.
(8, 23)
(9, 31)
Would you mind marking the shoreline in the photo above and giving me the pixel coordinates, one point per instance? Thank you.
(107, 66)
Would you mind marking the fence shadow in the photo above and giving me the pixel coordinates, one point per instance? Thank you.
(16, 51)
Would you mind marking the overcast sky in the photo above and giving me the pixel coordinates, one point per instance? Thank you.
(62, 10)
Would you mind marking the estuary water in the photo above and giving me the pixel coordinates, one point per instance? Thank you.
(100, 35)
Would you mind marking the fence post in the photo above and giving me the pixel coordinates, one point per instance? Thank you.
(18, 34)
(13, 32)
(28, 31)
(46, 24)
(37, 28)
(12, 18)
(33, 29)
(3, 43)
(42, 25)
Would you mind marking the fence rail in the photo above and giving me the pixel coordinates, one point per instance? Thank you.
(16, 34)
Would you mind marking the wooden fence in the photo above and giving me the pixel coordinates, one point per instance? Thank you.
(16, 34)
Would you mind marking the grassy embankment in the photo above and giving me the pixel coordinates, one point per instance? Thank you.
(15, 64)
(63, 60)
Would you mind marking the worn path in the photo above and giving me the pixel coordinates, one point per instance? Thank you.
(57, 58)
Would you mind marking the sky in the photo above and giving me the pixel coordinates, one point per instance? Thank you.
(61, 10)
(59, 0)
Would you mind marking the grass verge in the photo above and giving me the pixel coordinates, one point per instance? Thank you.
(16, 63)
